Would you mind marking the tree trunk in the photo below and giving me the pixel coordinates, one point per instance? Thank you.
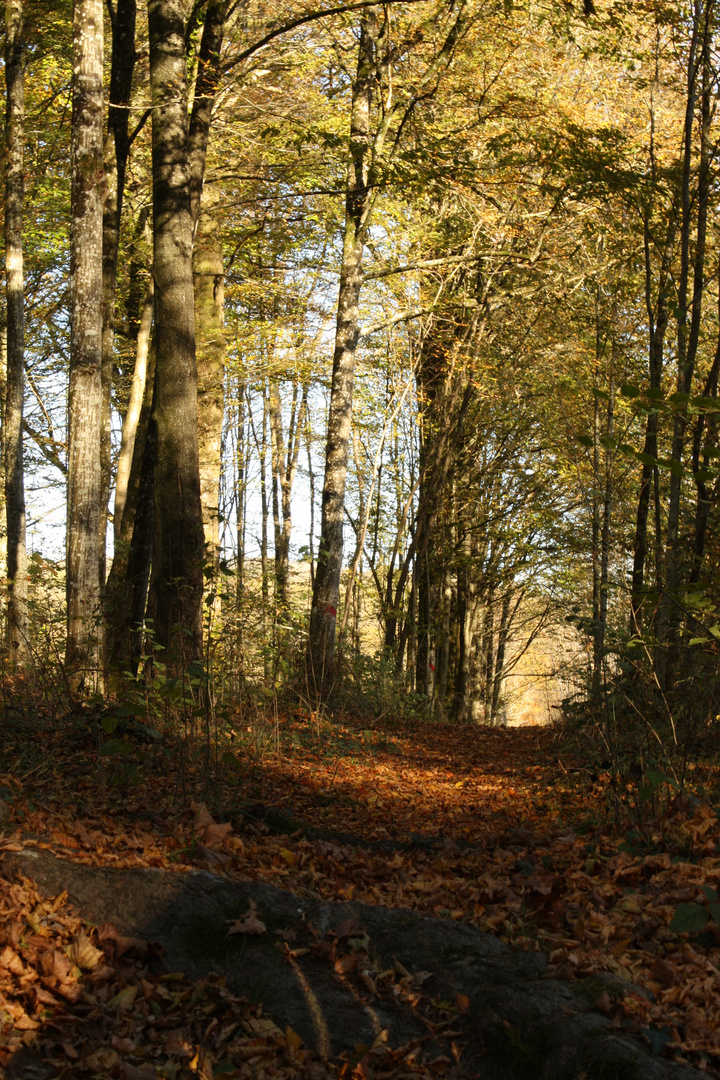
(127, 585)
(323, 614)
(209, 286)
(117, 149)
(85, 391)
(208, 277)
(178, 550)
(705, 432)
(131, 595)
(132, 416)
(13, 419)
(688, 335)
(500, 657)
(658, 328)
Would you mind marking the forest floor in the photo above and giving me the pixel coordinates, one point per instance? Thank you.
(509, 830)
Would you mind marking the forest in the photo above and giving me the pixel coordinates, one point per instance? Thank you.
(360, 539)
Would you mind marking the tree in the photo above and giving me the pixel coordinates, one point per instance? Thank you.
(83, 584)
(13, 429)
(374, 139)
(178, 548)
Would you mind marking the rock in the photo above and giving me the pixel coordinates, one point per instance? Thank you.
(513, 1021)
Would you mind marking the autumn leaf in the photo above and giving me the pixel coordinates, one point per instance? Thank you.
(83, 953)
(249, 923)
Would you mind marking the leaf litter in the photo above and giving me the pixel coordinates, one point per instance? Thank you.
(483, 825)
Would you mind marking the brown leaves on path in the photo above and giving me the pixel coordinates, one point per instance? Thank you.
(496, 827)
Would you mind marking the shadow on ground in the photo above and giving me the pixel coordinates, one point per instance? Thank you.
(347, 976)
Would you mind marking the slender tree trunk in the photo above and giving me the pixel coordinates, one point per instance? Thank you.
(15, 384)
(240, 499)
(178, 550)
(127, 585)
(311, 478)
(134, 410)
(597, 637)
(136, 551)
(658, 327)
(688, 330)
(489, 654)
(209, 284)
(85, 392)
(323, 615)
(705, 432)
(606, 521)
(117, 150)
(500, 657)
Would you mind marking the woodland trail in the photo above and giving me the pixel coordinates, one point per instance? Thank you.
(501, 829)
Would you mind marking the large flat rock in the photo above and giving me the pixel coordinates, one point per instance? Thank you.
(519, 1023)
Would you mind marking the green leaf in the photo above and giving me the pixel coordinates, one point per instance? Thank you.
(715, 912)
(647, 459)
(710, 894)
(646, 792)
(675, 467)
(654, 393)
(116, 746)
(679, 399)
(108, 724)
(655, 778)
(697, 641)
(585, 440)
(689, 919)
(704, 474)
(630, 390)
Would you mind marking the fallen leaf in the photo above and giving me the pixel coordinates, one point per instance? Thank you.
(9, 959)
(123, 1046)
(83, 953)
(248, 923)
(125, 997)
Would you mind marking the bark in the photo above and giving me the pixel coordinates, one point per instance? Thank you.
(85, 390)
(178, 549)
(489, 654)
(209, 288)
(117, 149)
(503, 631)
(131, 594)
(285, 453)
(206, 86)
(605, 530)
(240, 502)
(705, 431)
(358, 202)
(126, 592)
(597, 646)
(15, 379)
(208, 277)
(658, 323)
(132, 415)
(689, 333)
